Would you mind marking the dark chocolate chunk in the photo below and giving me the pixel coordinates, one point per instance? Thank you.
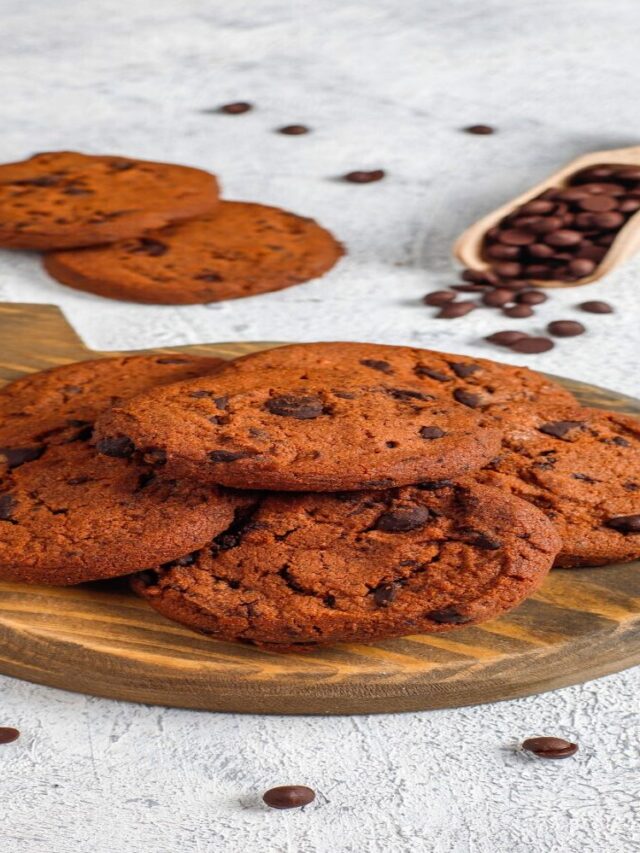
(447, 616)
(429, 432)
(16, 456)
(550, 747)
(289, 796)
(624, 523)
(403, 520)
(302, 408)
(375, 364)
(558, 429)
(120, 446)
(467, 398)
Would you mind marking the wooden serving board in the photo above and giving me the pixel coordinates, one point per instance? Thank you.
(101, 639)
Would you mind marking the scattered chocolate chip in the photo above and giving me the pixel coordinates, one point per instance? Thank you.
(455, 309)
(422, 370)
(438, 297)
(550, 747)
(7, 507)
(120, 446)
(624, 523)
(498, 298)
(235, 108)
(481, 540)
(447, 616)
(519, 311)
(531, 297)
(408, 394)
(147, 246)
(532, 346)
(293, 129)
(403, 520)
(227, 455)
(16, 456)
(385, 593)
(289, 796)
(594, 306)
(479, 129)
(361, 177)
(430, 432)
(302, 408)
(506, 338)
(558, 429)
(463, 370)
(565, 328)
(467, 398)
(375, 364)
(8, 734)
(434, 485)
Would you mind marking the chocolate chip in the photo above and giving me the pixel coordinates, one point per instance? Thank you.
(7, 506)
(531, 297)
(120, 447)
(206, 275)
(516, 237)
(385, 593)
(467, 398)
(200, 393)
(563, 237)
(462, 369)
(594, 306)
(293, 129)
(407, 394)
(448, 616)
(361, 177)
(550, 747)
(438, 297)
(505, 339)
(421, 370)
(434, 485)
(16, 456)
(508, 269)
(480, 277)
(497, 298)
(302, 408)
(455, 309)
(566, 328)
(235, 108)
(481, 540)
(624, 523)
(289, 796)
(429, 432)
(532, 345)
(147, 246)
(558, 429)
(375, 364)
(403, 520)
(227, 455)
(519, 311)
(479, 129)
(8, 734)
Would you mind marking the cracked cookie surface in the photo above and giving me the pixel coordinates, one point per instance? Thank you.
(581, 467)
(475, 383)
(67, 514)
(241, 249)
(63, 199)
(292, 431)
(300, 570)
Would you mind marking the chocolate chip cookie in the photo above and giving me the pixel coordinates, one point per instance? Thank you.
(240, 249)
(296, 571)
(581, 467)
(284, 430)
(475, 383)
(63, 199)
(69, 515)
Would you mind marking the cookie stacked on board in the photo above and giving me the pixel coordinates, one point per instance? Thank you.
(153, 232)
(312, 494)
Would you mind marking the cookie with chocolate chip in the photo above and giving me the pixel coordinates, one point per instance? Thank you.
(240, 249)
(292, 431)
(581, 467)
(69, 515)
(64, 199)
(297, 571)
(476, 383)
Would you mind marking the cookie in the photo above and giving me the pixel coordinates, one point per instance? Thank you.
(581, 467)
(61, 404)
(280, 430)
(63, 199)
(475, 383)
(240, 249)
(67, 514)
(303, 570)
(73, 516)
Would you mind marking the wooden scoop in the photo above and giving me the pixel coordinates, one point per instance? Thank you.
(468, 247)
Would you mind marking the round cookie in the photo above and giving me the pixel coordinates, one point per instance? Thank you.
(581, 467)
(303, 570)
(60, 405)
(73, 515)
(62, 199)
(476, 383)
(240, 249)
(279, 430)
(69, 515)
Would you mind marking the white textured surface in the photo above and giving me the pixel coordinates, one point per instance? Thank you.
(384, 83)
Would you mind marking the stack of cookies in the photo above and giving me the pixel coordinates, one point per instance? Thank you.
(153, 232)
(312, 494)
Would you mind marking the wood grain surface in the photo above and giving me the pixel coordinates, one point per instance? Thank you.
(102, 640)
